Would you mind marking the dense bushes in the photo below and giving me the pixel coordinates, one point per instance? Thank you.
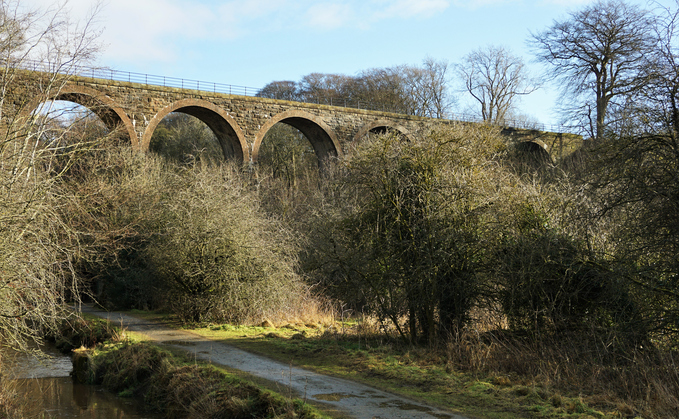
(426, 235)
(408, 234)
(551, 283)
(632, 180)
(221, 257)
(188, 239)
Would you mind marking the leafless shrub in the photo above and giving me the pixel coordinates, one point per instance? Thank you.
(193, 239)
(223, 256)
(403, 232)
(36, 251)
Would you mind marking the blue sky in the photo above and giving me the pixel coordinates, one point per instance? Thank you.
(253, 42)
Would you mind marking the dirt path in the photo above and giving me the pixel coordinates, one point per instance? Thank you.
(351, 399)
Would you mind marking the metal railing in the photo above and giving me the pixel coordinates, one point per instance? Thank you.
(101, 73)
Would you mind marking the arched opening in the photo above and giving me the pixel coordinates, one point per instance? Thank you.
(286, 155)
(72, 101)
(379, 130)
(319, 135)
(534, 152)
(185, 139)
(68, 136)
(225, 130)
(381, 127)
(63, 123)
(530, 155)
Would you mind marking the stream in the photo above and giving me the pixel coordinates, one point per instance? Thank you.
(46, 390)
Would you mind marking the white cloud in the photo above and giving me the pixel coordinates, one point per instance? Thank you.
(253, 8)
(567, 2)
(330, 15)
(144, 29)
(149, 29)
(361, 14)
(476, 4)
(411, 8)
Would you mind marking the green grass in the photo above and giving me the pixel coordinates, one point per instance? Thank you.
(413, 372)
(174, 385)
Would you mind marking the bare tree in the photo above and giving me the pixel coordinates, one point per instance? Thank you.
(635, 180)
(598, 53)
(408, 89)
(284, 90)
(326, 88)
(385, 89)
(656, 108)
(436, 82)
(35, 254)
(411, 90)
(494, 78)
(427, 88)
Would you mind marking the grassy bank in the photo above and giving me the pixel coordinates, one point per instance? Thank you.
(470, 376)
(177, 387)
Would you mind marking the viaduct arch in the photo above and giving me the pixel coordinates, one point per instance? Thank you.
(380, 127)
(224, 127)
(110, 113)
(322, 138)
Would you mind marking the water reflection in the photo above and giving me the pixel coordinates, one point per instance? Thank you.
(48, 362)
(62, 398)
(46, 390)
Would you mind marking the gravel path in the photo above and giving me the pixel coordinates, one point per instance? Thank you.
(343, 397)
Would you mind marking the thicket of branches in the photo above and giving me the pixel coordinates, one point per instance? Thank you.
(190, 239)
(37, 249)
(427, 235)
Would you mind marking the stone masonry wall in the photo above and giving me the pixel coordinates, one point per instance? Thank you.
(242, 121)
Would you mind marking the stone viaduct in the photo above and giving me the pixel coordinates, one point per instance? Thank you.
(241, 122)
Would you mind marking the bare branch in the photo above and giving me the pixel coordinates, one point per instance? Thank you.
(495, 78)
